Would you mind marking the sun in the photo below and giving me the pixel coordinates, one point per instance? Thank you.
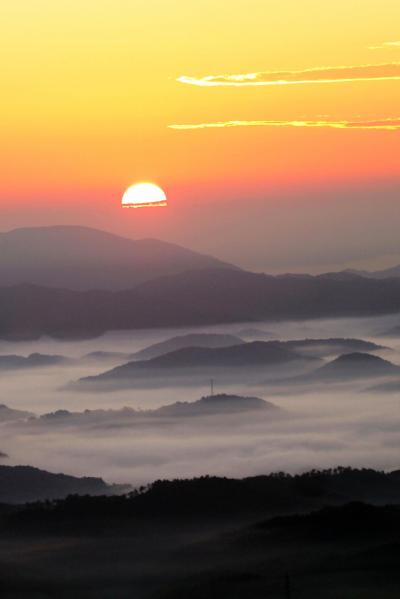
(144, 195)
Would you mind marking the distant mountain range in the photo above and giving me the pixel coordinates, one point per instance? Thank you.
(77, 282)
(201, 297)
(81, 258)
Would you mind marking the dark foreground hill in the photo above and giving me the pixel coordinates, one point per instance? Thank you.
(211, 537)
(82, 258)
(220, 496)
(21, 484)
(201, 297)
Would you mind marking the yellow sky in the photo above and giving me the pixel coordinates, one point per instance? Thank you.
(90, 87)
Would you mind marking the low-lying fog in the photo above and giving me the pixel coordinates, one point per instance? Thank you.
(319, 427)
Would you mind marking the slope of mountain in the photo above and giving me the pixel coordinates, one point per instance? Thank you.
(8, 414)
(106, 356)
(253, 334)
(388, 387)
(211, 340)
(393, 332)
(13, 362)
(386, 273)
(329, 347)
(354, 366)
(22, 484)
(185, 362)
(84, 258)
(201, 297)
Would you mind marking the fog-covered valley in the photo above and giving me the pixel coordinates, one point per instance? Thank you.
(319, 423)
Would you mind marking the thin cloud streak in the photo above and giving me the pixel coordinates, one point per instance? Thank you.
(385, 46)
(384, 124)
(343, 74)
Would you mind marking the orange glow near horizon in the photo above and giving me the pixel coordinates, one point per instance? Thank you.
(91, 89)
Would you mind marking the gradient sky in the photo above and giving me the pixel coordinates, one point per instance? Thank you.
(297, 172)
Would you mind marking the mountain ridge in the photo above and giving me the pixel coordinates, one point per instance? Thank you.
(191, 298)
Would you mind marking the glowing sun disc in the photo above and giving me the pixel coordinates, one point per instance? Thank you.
(143, 195)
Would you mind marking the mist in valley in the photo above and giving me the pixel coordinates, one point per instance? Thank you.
(316, 426)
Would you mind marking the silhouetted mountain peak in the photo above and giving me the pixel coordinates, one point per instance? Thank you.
(82, 258)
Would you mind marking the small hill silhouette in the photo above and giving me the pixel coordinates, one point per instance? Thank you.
(216, 404)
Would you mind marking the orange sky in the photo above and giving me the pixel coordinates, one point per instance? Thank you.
(90, 90)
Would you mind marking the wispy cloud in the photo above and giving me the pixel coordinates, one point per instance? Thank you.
(375, 72)
(385, 46)
(382, 124)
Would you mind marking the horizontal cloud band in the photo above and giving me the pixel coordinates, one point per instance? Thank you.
(385, 45)
(377, 72)
(384, 124)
